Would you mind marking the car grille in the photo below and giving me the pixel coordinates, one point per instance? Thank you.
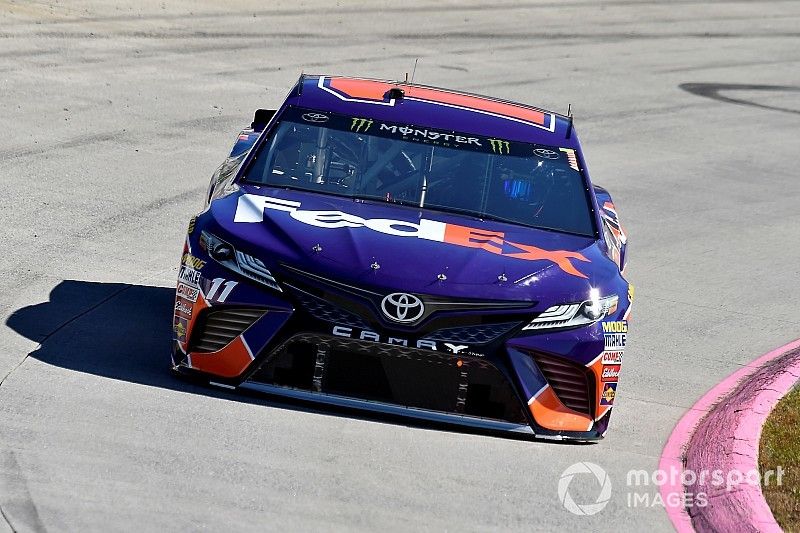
(323, 310)
(570, 381)
(392, 374)
(216, 328)
(478, 334)
(330, 312)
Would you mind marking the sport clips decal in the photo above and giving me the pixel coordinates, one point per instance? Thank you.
(250, 208)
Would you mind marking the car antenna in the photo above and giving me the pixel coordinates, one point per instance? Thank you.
(569, 116)
(413, 71)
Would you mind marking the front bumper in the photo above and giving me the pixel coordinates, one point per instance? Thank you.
(312, 342)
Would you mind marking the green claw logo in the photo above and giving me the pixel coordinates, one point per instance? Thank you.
(359, 123)
(498, 146)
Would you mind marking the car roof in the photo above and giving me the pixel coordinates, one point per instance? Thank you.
(434, 107)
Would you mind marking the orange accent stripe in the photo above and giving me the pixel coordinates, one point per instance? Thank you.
(228, 362)
(374, 90)
(550, 413)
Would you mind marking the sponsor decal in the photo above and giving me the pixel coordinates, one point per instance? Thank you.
(192, 262)
(544, 153)
(431, 135)
(499, 146)
(361, 125)
(317, 118)
(614, 341)
(191, 225)
(620, 326)
(185, 291)
(183, 307)
(250, 209)
(610, 373)
(609, 393)
(612, 358)
(179, 328)
(630, 293)
(189, 276)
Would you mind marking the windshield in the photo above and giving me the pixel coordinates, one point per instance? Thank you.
(520, 183)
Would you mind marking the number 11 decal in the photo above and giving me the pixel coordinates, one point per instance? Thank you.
(216, 284)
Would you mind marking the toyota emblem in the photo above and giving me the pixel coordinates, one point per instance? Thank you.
(315, 117)
(545, 153)
(402, 307)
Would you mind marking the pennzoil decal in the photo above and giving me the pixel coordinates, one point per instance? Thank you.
(250, 209)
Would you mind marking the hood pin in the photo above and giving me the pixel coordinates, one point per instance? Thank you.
(441, 277)
(317, 248)
(374, 265)
(502, 278)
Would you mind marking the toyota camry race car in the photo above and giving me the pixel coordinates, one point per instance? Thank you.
(409, 250)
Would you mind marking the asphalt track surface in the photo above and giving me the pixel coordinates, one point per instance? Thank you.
(111, 122)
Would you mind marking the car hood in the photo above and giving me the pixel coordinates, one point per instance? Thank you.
(389, 247)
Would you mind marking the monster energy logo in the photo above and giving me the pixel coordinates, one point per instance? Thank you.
(499, 145)
(359, 123)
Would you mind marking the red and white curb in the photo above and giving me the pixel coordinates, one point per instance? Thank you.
(721, 432)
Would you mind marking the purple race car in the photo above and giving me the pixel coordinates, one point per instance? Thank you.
(409, 250)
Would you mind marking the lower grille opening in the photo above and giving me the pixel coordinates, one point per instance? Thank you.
(394, 375)
(570, 381)
(217, 327)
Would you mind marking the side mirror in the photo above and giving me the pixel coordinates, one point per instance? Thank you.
(261, 118)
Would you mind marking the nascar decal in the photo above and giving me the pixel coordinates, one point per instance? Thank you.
(375, 92)
(609, 393)
(250, 209)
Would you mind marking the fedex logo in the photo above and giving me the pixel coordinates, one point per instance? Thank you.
(250, 209)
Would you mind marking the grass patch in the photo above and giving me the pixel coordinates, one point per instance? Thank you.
(780, 446)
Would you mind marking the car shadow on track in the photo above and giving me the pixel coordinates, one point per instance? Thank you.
(123, 332)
